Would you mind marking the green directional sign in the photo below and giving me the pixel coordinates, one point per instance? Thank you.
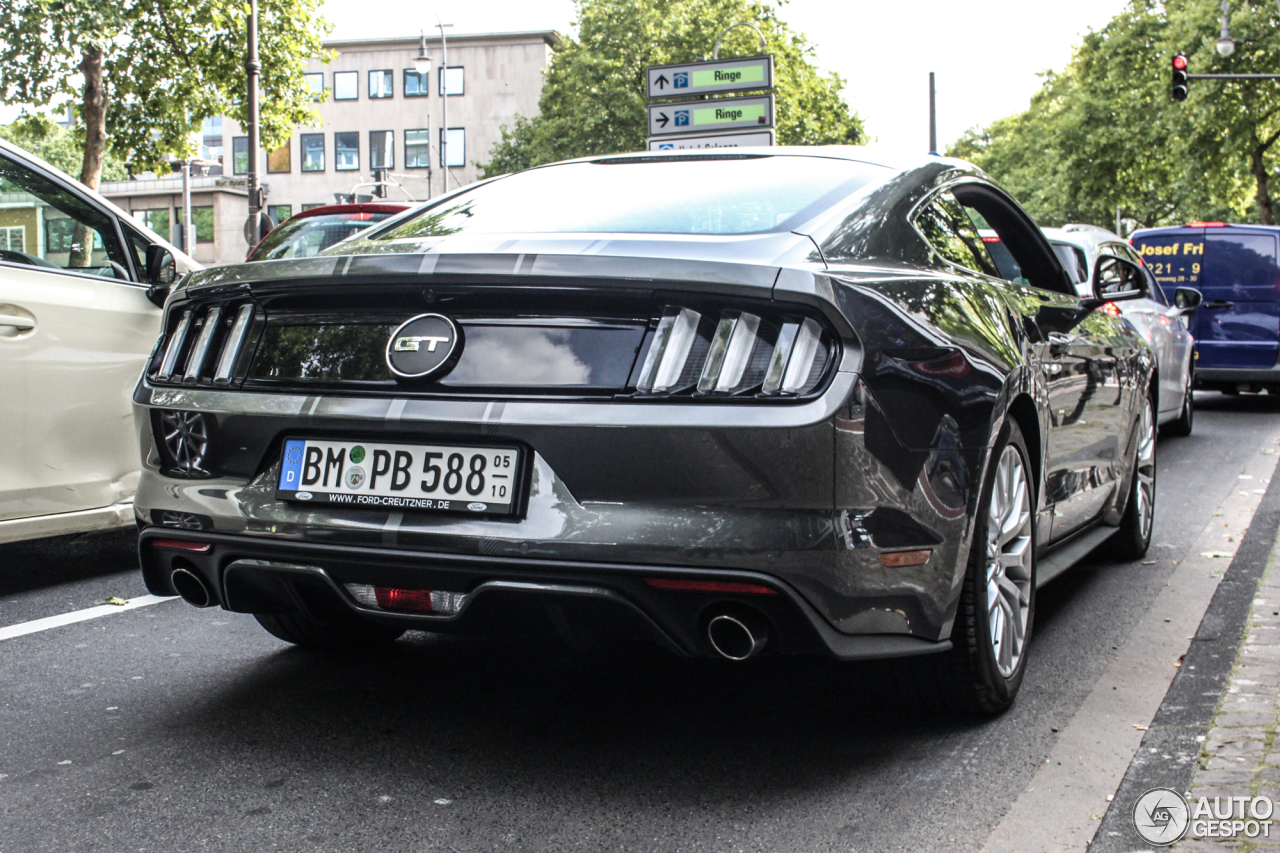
(709, 78)
(667, 119)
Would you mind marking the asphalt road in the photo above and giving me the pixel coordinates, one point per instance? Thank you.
(173, 729)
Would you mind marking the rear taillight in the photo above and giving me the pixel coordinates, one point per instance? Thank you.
(436, 602)
(205, 345)
(733, 353)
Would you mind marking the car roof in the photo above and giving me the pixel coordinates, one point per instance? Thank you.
(891, 157)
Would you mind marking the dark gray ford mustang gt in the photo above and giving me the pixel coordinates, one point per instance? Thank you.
(764, 401)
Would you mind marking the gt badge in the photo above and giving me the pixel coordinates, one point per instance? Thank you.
(428, 345)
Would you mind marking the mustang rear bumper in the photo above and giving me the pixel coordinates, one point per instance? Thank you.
(251, 575)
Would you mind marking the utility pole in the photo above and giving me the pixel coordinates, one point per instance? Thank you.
(253, 226)
(933, 116)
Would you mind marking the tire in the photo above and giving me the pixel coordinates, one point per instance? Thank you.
(983, 671)
(1181, 428)
(1133, 538)
(347, 635)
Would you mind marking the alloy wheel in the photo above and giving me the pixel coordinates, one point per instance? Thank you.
(186, 438)
(1145, 470)
(1009, 561)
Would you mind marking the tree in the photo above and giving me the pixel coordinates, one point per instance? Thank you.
(1105, 133)
(593, 100)
(144, 74)
(58, 146)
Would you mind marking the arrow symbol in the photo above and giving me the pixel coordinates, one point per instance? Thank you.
(661, 81)
(662, 119)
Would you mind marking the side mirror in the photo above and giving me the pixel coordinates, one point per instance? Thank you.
(162, 272)
(1115, 280)
(1187, 300)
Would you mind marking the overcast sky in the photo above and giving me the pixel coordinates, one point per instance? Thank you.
(987, 53)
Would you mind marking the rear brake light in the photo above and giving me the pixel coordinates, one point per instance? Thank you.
(407, 600)
(1112, 309)
(709, 586)
(1206, 225)
(181, 545)
(991, 239)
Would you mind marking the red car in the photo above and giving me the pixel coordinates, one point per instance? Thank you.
(312, 231)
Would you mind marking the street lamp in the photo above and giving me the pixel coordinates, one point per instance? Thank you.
(715, 54)
(422, 64)
(1226, 44)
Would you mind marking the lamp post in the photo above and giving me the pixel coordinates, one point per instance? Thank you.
(1226, 45)
(715, 53)
(421, 64)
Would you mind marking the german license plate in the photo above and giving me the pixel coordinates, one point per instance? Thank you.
(377, 475)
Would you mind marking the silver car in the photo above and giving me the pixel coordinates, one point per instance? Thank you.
(1161, 321)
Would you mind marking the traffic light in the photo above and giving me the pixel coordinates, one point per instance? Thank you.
(1180, 80)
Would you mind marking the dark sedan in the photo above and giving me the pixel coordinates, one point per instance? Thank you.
(774, 401)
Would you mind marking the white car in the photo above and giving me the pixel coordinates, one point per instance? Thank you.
(1155, 316)
(81, 284)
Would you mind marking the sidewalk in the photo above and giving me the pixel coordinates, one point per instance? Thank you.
(1241, 754)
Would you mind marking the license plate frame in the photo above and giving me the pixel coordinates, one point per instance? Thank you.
(503, 466)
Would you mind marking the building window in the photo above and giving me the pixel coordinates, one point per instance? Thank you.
(203, 219)
(156, 220)
(315, 82)
(346, 152)
(382, 149)
(312, 206)
(417, 149)
(457, 147)
(240, 155)
(415, 83)
(346, 85)
(13, 238)
(380, 84)
(312, 151)
(453, 80)
(211, 138)
(279, 160)
(279, 212)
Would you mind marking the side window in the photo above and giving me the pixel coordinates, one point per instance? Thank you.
(952, 234)
(43, 225)
(1073, 260)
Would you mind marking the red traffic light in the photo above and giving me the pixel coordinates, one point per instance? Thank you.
(1180, 62)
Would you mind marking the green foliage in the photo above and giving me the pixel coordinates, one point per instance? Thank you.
(166, 66)
(1106, 133)
(593, 101)
(58, 146)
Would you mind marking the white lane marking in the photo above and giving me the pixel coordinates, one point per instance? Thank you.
(23, 628)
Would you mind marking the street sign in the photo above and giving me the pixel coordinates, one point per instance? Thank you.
(719, 140)
(709, 78)
(682, 119)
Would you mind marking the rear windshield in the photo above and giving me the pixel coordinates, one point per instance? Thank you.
(309, 235)
(703, 195)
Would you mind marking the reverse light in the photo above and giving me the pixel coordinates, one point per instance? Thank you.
(436, 602)
(709, 586)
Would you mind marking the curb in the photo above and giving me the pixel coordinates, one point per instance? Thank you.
(1171, 747)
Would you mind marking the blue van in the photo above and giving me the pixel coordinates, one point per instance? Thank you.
(1237, 327)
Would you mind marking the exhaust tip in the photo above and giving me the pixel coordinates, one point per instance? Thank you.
(191, 588)
(734, 639)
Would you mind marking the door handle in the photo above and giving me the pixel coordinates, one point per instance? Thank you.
(1218, 304)
(17, 322)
